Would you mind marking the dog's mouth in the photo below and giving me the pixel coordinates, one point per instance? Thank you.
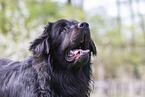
(78, 51)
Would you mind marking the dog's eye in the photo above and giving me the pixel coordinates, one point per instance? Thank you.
(64, 29)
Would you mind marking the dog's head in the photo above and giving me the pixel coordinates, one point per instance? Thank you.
(66, 42)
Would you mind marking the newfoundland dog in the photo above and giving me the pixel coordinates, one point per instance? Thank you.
(59, 66)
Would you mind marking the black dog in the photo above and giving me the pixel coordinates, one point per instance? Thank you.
(59, 66)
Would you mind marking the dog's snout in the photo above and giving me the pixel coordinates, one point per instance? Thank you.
(83, 25)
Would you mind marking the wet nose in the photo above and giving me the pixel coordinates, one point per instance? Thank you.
(83, 25)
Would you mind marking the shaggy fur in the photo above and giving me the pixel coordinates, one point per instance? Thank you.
(59, 65)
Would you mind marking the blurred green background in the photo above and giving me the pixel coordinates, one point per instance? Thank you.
(117, 27)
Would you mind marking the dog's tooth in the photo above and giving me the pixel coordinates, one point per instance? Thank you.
(71, 51)
(75, 51)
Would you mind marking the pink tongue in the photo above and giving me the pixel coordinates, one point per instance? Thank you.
(78, 52)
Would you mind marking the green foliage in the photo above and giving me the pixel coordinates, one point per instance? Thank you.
(121, 48)
(41, 11)
(72, 13)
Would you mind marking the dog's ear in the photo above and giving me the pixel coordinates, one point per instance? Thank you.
(92, 47)
(40, 45)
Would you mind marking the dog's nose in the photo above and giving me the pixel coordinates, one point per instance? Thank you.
(83, 25)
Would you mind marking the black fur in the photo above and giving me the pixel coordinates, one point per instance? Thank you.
(47, 73)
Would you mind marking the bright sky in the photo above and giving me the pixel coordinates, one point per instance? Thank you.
(94, 4)
(110, 6)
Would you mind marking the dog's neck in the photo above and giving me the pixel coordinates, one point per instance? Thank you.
(64, 82)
